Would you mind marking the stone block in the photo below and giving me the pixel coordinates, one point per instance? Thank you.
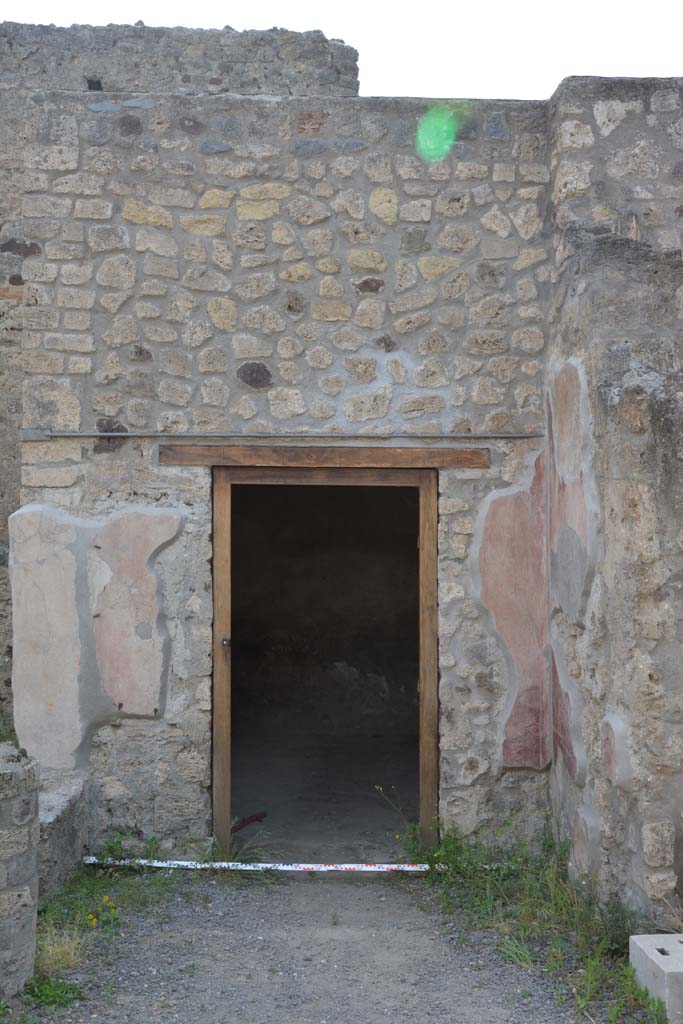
(658, 963)
(63, 827)
(659, 838)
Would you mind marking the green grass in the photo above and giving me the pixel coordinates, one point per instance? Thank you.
(96, 899)
(51, 993)
(546, 919)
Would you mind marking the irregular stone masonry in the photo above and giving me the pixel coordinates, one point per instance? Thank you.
(223, 266)
(289, 266)
(117, 59)
(19, 834)
(180, 60)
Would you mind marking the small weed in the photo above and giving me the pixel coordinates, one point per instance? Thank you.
(517, 952)
(115, 847)
(51, 993)
(151, 848)
(5, 1011)
(556, 956)
(248, 849)
(630, 999)
(412, 843)
(592, 980)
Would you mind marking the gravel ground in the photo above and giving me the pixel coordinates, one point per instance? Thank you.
(304, 950)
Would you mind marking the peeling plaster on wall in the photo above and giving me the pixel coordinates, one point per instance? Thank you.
(131, 639)
(66, 604)
(510, 551)
(567, 717)
(573, 502)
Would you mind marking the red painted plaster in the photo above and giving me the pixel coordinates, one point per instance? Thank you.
(512, 564)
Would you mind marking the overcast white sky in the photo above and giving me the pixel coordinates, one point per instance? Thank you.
(519, 49)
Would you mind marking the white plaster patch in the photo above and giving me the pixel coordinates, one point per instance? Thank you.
(88, 624)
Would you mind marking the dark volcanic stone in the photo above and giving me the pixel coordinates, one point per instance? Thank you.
(108, 425)
(255, 375)
(20, 248)
(369, 284)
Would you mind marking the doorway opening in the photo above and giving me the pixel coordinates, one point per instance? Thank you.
(325, 666)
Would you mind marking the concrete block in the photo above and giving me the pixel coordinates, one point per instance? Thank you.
(658, 963)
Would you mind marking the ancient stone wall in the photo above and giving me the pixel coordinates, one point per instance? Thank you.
(277, 268)
(84, 59)
(12, 133)
(134, 58)
(289, 267)
(19, 833)
(614, 414)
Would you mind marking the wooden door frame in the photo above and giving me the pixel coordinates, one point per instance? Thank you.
(425, 480)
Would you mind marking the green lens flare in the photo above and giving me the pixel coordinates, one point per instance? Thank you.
(436, 133)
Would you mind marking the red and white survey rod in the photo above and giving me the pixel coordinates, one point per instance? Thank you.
(236, 865)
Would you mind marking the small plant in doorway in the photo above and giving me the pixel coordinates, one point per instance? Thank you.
(546, 919)
(409, 835)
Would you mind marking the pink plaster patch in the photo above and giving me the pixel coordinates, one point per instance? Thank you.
(129, 642)
(512, 564)
(562, 739)
(565, 476)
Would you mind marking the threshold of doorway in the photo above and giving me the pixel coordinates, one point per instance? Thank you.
(236, 865)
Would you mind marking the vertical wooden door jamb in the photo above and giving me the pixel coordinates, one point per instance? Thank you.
(222, 530)
(429, 671)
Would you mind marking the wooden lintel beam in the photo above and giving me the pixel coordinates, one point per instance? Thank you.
(313, 457)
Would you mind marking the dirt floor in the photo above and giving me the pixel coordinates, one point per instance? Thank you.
(304, 950)
(321, 798)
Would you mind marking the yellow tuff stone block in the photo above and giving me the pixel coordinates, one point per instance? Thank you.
(210, 224)
(297, 272)
(140, 213)
(247, 210)
(384, 204)
(434, 266)
(266, 190)
(223, 313)
(216, 198)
